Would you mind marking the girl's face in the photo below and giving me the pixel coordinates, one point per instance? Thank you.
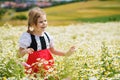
(41, 23)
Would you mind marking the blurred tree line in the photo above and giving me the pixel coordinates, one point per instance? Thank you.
(23, 17)
(2, 12)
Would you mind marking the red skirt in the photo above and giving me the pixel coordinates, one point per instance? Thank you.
(38, 60)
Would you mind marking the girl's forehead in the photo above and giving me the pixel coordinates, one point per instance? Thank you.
(42, 17)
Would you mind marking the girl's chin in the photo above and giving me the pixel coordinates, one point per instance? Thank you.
(41, 29)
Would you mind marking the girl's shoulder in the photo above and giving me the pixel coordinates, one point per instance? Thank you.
(48, 34)
(25, 40)
(25, 35)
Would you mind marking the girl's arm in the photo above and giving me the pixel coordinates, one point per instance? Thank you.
(60, 53)
(23, 51)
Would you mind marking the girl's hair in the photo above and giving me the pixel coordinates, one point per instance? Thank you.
(33, 16)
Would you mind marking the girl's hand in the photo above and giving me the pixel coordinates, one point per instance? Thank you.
(26, 65)
(29, 50)
(24, 51)
(70, 51)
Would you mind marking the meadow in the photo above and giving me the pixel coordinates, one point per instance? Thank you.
(97, 56)
(85, 11)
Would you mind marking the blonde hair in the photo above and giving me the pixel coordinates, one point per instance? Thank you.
(33, 16)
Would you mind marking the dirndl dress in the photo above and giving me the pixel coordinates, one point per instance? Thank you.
(40, 58)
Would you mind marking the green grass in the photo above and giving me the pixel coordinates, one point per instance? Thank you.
(100, 19)
(89, 11)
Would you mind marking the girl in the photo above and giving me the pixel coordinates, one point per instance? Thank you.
(37, 43)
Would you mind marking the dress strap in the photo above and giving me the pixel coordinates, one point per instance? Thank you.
(47, 36)
(33, 43)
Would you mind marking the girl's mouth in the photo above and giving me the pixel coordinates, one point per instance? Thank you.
(43, 27)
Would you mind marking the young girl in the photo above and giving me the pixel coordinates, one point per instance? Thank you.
(37, 43)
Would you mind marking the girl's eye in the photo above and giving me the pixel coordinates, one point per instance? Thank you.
(41, 22)
(45, 20)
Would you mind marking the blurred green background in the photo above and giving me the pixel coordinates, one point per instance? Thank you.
(65, 12)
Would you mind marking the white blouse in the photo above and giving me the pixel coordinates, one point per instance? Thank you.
(25, 40)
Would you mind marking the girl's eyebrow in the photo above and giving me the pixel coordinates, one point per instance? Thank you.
(43, 20)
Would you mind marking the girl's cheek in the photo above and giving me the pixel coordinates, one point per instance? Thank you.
(39, 25)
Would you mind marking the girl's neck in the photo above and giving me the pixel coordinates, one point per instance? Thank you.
(38, 33)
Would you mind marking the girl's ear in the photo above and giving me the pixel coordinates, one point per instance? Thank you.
(31, 28)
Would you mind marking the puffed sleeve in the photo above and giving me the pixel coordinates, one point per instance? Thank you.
(25, 40)
(51, 40)
(51, 44)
